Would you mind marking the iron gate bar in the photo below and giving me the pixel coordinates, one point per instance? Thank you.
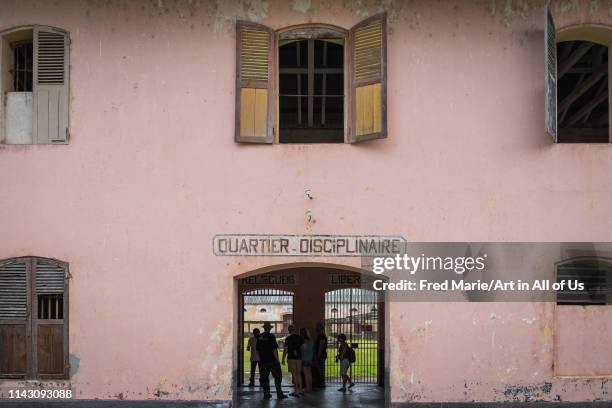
(354, 312)
(23, 66)
(261, 297)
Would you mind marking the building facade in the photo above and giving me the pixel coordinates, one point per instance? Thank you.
(140, 130)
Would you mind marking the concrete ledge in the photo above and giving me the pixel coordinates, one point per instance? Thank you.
(11, 403)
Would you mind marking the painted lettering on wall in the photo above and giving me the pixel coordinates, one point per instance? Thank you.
(305, 245)
(344, 279)
(270, 280)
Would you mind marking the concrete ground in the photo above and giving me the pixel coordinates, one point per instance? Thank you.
(360, 396)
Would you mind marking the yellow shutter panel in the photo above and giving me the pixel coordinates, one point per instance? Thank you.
(369, 79)
(254, 52)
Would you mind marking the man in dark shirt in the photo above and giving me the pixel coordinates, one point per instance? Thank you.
(293, 348)
(320, 355)
(267, 347)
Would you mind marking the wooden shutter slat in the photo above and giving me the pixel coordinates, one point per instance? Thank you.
(254, 83)
(550, 72)
(13, 291)
(50, 85)
(50, 278)
(254, 52)
(50, 334)
(368, 50)
(368, 80)
(13, 318)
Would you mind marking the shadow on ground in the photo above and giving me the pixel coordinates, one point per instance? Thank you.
(359, 396)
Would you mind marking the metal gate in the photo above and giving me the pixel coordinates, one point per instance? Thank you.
(354, 312)
(258, 306)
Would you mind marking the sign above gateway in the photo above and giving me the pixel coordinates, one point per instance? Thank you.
(305, 245)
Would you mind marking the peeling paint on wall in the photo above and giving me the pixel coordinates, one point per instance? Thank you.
(509, 11)
(527, 393)
(366, 8)
(301, 6)
(226, 13)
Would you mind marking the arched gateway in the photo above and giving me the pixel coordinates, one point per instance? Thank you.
(305, 295)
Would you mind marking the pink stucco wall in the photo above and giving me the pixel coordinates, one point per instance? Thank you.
(582, 339)
(152, 173)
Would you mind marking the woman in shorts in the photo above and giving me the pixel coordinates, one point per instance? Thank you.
(307, 357)
(343, 357)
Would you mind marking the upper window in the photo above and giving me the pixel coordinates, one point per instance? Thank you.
(577, 87)
(582, 92)
(311, 89)
(34, 86)
(312, 84)
(33, 318)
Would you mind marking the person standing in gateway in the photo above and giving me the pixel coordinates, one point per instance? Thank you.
(252, 347)
(320, 355)
(293, 349)
(267, 347)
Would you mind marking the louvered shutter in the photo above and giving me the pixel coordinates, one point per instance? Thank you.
(50, 333)
(593, 275)
(254, 83)
(368, 42)
(14, 327)
(550, 72)
(50, 85)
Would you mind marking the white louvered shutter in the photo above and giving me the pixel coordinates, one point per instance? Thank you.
(51, 94)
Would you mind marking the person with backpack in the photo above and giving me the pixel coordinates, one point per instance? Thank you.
(346, 356)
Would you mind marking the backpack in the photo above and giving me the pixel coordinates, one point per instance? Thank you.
(351, 355)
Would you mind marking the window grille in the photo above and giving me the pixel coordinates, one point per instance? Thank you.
(22, 66)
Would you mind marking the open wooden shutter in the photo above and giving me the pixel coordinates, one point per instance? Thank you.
(5, 58)
(254, 80)
(51, 95)
(368, 42)
(550, 72)
(50, 320)
(14, 322)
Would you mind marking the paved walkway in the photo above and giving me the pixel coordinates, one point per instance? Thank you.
(360, 396)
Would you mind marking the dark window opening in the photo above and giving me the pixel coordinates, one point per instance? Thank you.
(311, 91)
(582, 103)
(50, 307)
(22, 71)
(593, 277)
